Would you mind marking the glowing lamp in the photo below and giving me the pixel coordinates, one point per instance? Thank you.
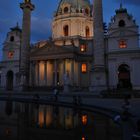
(83, 138)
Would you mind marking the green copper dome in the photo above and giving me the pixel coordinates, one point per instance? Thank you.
(74, 4)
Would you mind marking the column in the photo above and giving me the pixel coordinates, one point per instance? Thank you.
(55, 72)
(64, 70)
(45, 74)
(79, 74)
(64, 66)
(37, 73)
(72, 72)
(98, 71)
(27, 7)
(32, 74)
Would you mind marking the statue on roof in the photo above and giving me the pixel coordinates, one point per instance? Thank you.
(26, 1)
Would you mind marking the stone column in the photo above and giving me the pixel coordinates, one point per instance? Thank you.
(64, 66)
(79, 74)
(45, 74)
(32, 74)
(98, 72)
(72, 72)
(37, 73)
(64, 70)
(55, 72)
(27, 7)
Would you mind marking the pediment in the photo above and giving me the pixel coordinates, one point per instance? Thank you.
(52, 50)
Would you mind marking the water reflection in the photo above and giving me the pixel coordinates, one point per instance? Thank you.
(21, 121)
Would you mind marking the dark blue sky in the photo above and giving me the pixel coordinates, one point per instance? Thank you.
(10, 14)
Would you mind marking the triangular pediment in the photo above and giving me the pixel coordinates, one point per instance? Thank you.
(46, 50)
(51, 52)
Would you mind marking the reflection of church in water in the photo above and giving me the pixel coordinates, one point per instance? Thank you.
(71, 50)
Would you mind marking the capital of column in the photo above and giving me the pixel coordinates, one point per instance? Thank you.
(27, 4)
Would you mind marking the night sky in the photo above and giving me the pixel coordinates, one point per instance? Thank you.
(10, 14)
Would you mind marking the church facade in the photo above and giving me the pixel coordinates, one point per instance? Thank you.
(68, 57)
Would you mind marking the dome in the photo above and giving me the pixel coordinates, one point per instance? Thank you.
(74, 5)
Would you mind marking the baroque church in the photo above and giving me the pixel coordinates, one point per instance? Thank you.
(82, 54)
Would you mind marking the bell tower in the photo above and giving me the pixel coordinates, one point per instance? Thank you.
(27, 7)
(98, 73)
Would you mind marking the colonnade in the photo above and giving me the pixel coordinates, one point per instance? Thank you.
(51, 72)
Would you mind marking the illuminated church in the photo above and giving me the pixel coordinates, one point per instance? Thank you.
(92, 56)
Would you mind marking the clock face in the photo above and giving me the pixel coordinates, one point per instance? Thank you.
(10, 54)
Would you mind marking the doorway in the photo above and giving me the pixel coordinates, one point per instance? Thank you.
(124, 80)
(9, 80)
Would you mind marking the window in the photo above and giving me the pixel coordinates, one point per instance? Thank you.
(10, 54)
(87, 31)
(66, 30)
(84, 68)
(66, 9)
(12, 38)
(122, 44)
(84, 119)
(121, 23)
(83, 48)
(83, 138)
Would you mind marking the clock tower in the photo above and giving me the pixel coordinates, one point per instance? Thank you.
(27, 7)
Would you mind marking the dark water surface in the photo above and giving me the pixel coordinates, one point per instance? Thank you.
(34, 121)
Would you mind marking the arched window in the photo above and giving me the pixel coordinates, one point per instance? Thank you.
(83, 48)
(66, 30)
(9, 80)
(66, 9)
(12, 38)
(124, 76)
(121, 23)
(87, 31)
(84, 68)
(10, 54)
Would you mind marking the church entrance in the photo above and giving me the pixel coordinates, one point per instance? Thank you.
(9, 80)
(124, 80)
